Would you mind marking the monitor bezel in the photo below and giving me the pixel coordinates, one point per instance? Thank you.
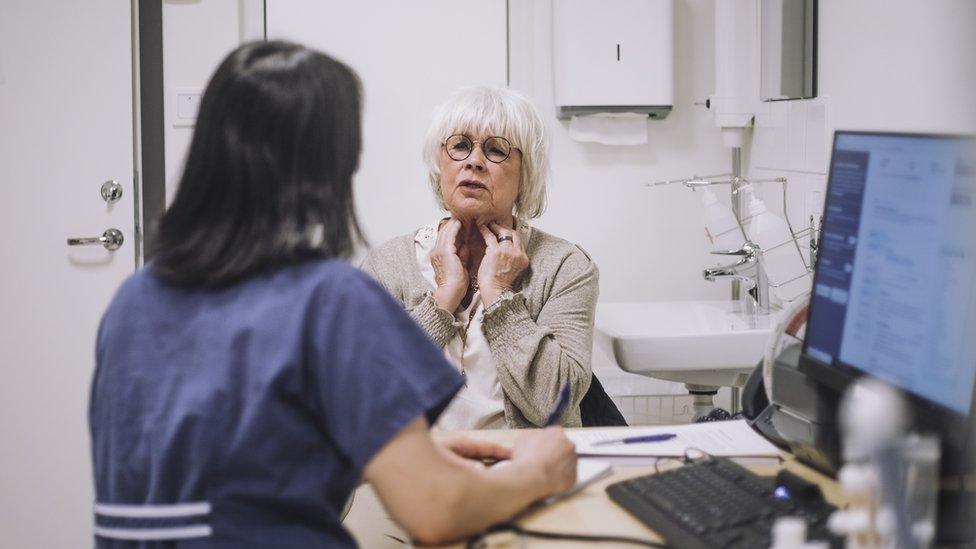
(929, 416)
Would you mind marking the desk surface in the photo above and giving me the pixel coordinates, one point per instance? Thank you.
(588, 512)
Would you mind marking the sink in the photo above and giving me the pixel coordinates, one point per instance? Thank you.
(699, 343)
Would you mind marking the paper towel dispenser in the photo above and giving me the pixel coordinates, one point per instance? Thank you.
(613, 56)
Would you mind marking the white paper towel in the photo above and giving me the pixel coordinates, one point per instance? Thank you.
(625, 128)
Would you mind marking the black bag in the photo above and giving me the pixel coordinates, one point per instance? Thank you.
(597, 410)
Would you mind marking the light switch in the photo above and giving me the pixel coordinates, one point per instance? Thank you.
(187, 106)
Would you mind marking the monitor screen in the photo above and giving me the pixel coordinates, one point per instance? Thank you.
(894, 295)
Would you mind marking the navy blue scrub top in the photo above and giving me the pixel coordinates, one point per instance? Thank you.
(244, 417)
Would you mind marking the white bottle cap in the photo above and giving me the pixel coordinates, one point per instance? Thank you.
(872, 414)
(789, 533)
(858, 479)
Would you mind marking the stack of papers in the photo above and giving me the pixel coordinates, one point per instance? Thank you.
(718, 438)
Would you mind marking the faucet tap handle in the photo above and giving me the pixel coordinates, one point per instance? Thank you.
(748, 248)
(730, 252)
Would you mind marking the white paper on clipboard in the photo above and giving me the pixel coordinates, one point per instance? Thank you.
(718, 438)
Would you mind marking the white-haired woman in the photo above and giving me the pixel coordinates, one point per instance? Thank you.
(511, 305)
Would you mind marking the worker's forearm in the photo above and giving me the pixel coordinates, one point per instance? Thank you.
(482, 498)
(438, 498)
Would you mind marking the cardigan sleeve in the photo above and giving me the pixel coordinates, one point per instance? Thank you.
(439, 324)
(534, 358)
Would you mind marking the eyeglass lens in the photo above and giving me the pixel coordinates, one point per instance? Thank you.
(496, 149)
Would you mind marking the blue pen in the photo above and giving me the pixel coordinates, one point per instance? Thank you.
(634, 440)
(560, 407)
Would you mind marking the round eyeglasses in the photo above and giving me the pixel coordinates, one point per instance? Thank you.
(496, 149)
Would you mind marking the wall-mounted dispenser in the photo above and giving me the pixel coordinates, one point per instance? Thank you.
(613, 56)
(736, 97)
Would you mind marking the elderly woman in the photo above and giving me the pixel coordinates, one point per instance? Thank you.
(511, 305)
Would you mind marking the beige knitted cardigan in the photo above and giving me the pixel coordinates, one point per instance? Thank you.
(540, 338)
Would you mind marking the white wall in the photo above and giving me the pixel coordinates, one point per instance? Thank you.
(197, 34)
(888, 65)
(648, 242)
(410, 56)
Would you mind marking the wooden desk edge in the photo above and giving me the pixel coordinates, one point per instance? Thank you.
(588, 512)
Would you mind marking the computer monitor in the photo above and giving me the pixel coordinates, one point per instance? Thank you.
(894, 294)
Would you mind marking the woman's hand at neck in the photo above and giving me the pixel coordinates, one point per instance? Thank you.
(504, 260)
(448, 261)
(457, 259)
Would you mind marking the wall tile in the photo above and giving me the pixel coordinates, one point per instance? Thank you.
(771, 132)
(816, 140)
(796, 147)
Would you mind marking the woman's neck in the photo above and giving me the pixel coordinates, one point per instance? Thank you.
(471, 242)
(469, 226)
(471, 246)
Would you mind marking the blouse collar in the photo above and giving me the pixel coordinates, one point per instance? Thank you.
(427, 234)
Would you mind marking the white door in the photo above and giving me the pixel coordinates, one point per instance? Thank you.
(66, 126)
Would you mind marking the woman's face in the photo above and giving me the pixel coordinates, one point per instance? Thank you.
(477, 189)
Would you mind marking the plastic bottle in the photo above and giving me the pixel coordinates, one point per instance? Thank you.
(721, 228)
(875, 477)
(789, 533)
(772, 234)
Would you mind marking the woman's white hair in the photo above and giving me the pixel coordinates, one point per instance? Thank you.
(484, 110)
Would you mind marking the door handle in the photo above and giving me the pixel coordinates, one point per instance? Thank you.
(112, 240)
(111, 191)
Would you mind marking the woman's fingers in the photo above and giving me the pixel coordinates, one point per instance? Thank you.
(490, 239)
(499, 229)
(503, 231)
(450, 234)
(503, 261)
(450, 274)
(446, 243)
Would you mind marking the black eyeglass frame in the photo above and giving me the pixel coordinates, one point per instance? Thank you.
(482, 145)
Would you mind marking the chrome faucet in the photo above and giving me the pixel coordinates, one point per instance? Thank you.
(749, 269)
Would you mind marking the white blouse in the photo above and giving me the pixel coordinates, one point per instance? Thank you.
(479, 404)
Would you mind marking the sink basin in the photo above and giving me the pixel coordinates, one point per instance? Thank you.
(710, 343)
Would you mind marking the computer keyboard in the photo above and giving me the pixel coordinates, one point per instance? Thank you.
(718, 503)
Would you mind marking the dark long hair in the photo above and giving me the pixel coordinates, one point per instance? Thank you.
(268, 177)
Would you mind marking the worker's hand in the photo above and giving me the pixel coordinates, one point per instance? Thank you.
(550, 454)
(469, 452)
